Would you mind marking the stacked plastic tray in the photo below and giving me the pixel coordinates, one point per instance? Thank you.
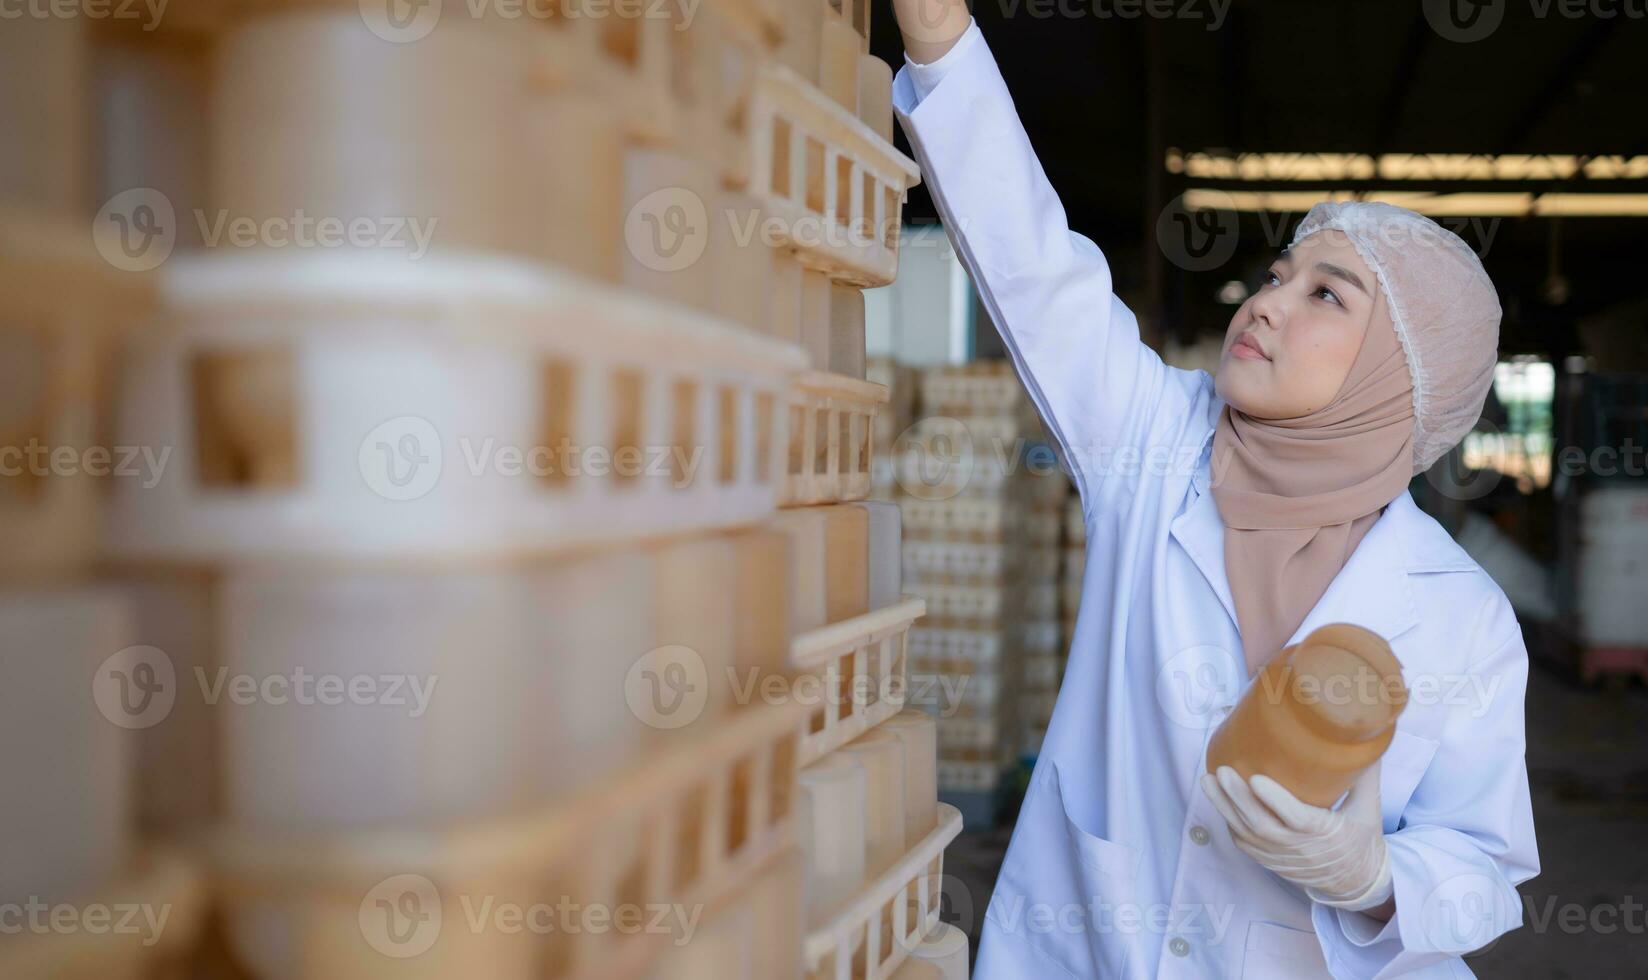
(501, 554)
(70, 856)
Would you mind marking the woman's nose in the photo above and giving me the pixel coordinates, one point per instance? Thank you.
(1268, 308)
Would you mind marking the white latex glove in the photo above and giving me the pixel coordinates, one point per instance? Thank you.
(1337, 856)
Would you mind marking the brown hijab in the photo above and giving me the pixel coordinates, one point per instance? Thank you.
(1297, 495)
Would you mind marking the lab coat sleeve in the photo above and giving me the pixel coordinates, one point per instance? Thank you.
(1048, 289)
(1464, 842)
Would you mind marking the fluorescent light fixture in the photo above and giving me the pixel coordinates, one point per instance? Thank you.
(1593, 205)
(1504, 204)
(1452, 167)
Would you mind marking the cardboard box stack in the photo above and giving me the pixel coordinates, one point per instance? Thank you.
(895, 418)
(464, 600)
(1072, 568)
(1040, 636)
(981, 495)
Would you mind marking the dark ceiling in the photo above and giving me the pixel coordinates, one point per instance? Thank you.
(1364, 76)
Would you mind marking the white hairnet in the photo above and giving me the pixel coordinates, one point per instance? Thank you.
(1444, 306)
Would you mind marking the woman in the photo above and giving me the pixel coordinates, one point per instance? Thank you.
(1225, 520)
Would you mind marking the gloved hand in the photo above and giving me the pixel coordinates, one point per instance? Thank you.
(1337, 856)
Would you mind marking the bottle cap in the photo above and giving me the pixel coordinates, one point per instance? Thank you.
(1345, 682)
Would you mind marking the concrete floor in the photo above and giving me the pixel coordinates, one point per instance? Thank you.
(1588, 770)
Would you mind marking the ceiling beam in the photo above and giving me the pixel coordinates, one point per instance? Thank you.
(1561, 82)
(1414, 46)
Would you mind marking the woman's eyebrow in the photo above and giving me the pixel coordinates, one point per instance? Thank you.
(1340, 272)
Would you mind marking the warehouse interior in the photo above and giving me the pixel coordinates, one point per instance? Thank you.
(527, 488)
(1303, 102)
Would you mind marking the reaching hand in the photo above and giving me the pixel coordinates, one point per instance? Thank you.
(1337, 856)
(930, 27)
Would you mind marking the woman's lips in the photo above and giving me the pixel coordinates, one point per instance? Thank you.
(1246, 350)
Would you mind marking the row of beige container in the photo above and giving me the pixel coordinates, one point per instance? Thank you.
(532, 135)
(872, 835)
(313, 706)
(356, 408)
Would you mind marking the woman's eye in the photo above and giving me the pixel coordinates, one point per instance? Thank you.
(1328, 295)
(1269, 279)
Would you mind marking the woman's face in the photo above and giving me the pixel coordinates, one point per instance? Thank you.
(1291, 345)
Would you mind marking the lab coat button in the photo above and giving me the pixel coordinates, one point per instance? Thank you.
(1179, 947)
(1200, 835)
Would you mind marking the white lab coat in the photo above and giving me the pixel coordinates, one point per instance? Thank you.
(1119, 866)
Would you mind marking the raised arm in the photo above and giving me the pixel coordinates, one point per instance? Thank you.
(1048, 289)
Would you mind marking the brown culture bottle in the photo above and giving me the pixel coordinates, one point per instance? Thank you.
(1319, 713)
